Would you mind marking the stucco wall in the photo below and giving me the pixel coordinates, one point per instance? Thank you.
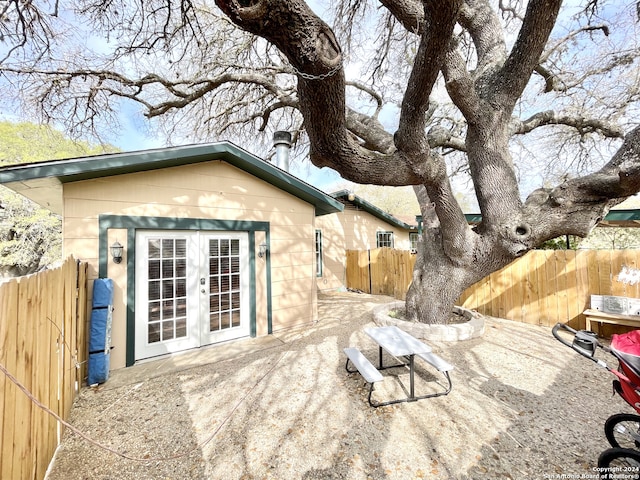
(211, 190)
(350, 230)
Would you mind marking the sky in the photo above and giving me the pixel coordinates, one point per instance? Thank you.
(136, 137)
(134, 134)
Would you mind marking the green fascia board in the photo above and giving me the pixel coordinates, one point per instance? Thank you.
(622, 215)
(473, 218)
(612, 216)
(98, 166)
(373, 210)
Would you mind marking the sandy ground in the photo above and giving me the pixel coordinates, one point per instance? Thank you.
(523, 406)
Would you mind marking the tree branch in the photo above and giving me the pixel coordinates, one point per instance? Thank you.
(581, 124)
(577, 205)
(441, 17)
(310, 46)
(482, 23)
(410, 13)
(509, 83)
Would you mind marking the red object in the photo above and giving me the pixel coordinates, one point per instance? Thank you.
(627, 342)
(626, 347)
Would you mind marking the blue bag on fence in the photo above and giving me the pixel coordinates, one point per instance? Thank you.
(100, 331)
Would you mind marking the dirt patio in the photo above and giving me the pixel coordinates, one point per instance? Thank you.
(283, 407)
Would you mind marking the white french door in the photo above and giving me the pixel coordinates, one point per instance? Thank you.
(192, 289)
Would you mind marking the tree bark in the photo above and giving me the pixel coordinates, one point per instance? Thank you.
(451, 255)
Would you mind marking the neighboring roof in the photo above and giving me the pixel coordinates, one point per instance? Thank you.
(615, 218)
(347, 196)
(473, 218)
(42, 181)
(622, 218)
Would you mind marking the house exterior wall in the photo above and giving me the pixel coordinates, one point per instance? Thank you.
(208, 190)
(352, 229)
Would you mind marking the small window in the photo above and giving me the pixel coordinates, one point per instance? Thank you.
(413, 241)
(318, 253)
(384, 239)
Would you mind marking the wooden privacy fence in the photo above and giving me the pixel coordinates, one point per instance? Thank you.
(543, 287)
(42, 339)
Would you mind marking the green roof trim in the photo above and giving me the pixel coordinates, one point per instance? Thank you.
(473, 218)
(372, 209)
(614, 216)
(622, 215)
(52, 174)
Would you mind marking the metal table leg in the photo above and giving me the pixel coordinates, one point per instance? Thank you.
(412, 395)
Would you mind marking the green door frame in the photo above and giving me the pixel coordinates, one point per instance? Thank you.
(133, 223)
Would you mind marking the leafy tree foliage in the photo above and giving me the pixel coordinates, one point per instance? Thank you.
(612, 238)
(31, 236)
(394, 200)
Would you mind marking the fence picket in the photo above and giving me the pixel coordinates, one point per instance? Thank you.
(542, 288)
(32, 309)
(8, 335)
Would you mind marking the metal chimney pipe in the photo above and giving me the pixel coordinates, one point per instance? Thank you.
(282, 144)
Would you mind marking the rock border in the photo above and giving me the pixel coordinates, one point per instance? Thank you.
(473, 328)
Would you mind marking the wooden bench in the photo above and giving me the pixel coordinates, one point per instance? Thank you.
(613, 318)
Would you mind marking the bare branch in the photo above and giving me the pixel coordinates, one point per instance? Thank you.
(482, 23)
(409, 13)
(581, 124)
(372, 93)
(441, 19)
(511, 80)
(577, 205)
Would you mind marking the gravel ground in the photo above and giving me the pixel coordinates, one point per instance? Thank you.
(523, 406)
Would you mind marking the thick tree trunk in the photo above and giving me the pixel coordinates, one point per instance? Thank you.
(452, 256)
(438, 280)
(434, 290)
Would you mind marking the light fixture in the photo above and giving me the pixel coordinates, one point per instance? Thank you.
(116, 252)
(262, 249)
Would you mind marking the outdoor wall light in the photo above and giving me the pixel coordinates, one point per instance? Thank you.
(116, 252)
(262, 249)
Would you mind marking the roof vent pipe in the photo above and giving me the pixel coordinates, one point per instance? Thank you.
(282, 144)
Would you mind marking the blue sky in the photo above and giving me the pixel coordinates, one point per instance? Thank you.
(134, 133)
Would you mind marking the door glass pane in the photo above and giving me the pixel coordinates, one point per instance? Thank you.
(154, 332)
(235, 318)
(154, 269)
(154, 248)
(181, 288)
(224, 284)
(167, 289)
(167, 300)
(167, 247)
(167, 268)
(181, 267)
(154, 290)
(214, 322)
(181, 248)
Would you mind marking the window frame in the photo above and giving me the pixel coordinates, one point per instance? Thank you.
(390, 240)
(318, 251)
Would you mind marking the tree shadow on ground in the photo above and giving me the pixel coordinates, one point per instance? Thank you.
(522, 406)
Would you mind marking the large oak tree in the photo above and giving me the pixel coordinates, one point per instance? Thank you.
(182, 60)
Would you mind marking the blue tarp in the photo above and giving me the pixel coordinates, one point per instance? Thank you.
(102, 292)
(100, 331)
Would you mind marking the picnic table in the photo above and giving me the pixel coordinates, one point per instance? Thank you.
(402, 346)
